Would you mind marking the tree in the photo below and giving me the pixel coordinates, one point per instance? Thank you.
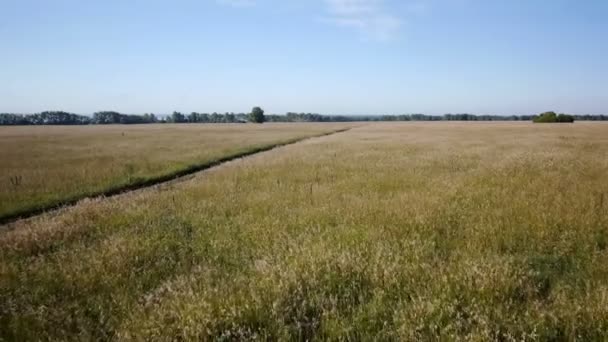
(151, 118)
(106, 117)
(215, 117)
(546, 117)
(552, 117)
(257, 115)
(565, 118)
(193, 117)
(178, 117)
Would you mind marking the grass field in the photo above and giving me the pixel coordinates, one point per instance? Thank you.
(44, 166)
(413, 231)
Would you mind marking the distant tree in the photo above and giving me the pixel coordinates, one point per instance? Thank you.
(565, 118)
(546, 117)
(193, 117)
(549, 117)
(106, 117)
(215, 117)
(148, 118)
(14, 119)
(178, 117)
(257, 115)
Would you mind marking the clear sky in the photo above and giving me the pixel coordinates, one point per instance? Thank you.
(324, 56)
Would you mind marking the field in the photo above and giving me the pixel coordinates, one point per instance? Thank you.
(400, 231)
(45, 166)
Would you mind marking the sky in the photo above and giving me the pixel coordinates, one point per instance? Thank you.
(499, 57)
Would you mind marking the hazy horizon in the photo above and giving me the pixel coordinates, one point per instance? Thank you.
(337, 57)
(168, 114)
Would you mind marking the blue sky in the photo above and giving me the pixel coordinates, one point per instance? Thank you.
(325, 56)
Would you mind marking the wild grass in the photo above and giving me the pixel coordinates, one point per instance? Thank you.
(45, 166)
(416, 231)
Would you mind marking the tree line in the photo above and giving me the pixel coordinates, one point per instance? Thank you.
(257, 115)
(111, 117)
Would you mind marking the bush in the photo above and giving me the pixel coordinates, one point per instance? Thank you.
(565, 118)
(548, 117)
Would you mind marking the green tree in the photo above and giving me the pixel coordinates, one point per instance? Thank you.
(194, 117)
(565, 118)
(546, 117)
(178, 117)
(552, 117)
(257, 115)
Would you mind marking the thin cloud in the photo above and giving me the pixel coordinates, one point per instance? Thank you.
(368, 17)
(236, 3)
(371, 19)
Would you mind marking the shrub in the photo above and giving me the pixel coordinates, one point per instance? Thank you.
(565, 118)
(552, 117)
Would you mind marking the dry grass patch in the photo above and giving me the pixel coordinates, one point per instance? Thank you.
(418, 231)
(47, 165)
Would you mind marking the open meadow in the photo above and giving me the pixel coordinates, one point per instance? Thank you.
(388, 231)
(46, 166)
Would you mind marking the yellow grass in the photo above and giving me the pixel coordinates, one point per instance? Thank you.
(414, 231)
(46, 165)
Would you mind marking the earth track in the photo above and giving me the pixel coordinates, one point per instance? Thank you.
(160, 180)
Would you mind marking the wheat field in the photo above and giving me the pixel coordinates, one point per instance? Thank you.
(401, 231)
(47, 165)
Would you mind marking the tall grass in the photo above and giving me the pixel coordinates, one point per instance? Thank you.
(425, 231)
(46, 166)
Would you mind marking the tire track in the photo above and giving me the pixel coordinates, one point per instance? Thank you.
(177, 176)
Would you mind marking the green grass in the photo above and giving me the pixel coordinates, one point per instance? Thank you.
(417, 231)
(47, 166)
